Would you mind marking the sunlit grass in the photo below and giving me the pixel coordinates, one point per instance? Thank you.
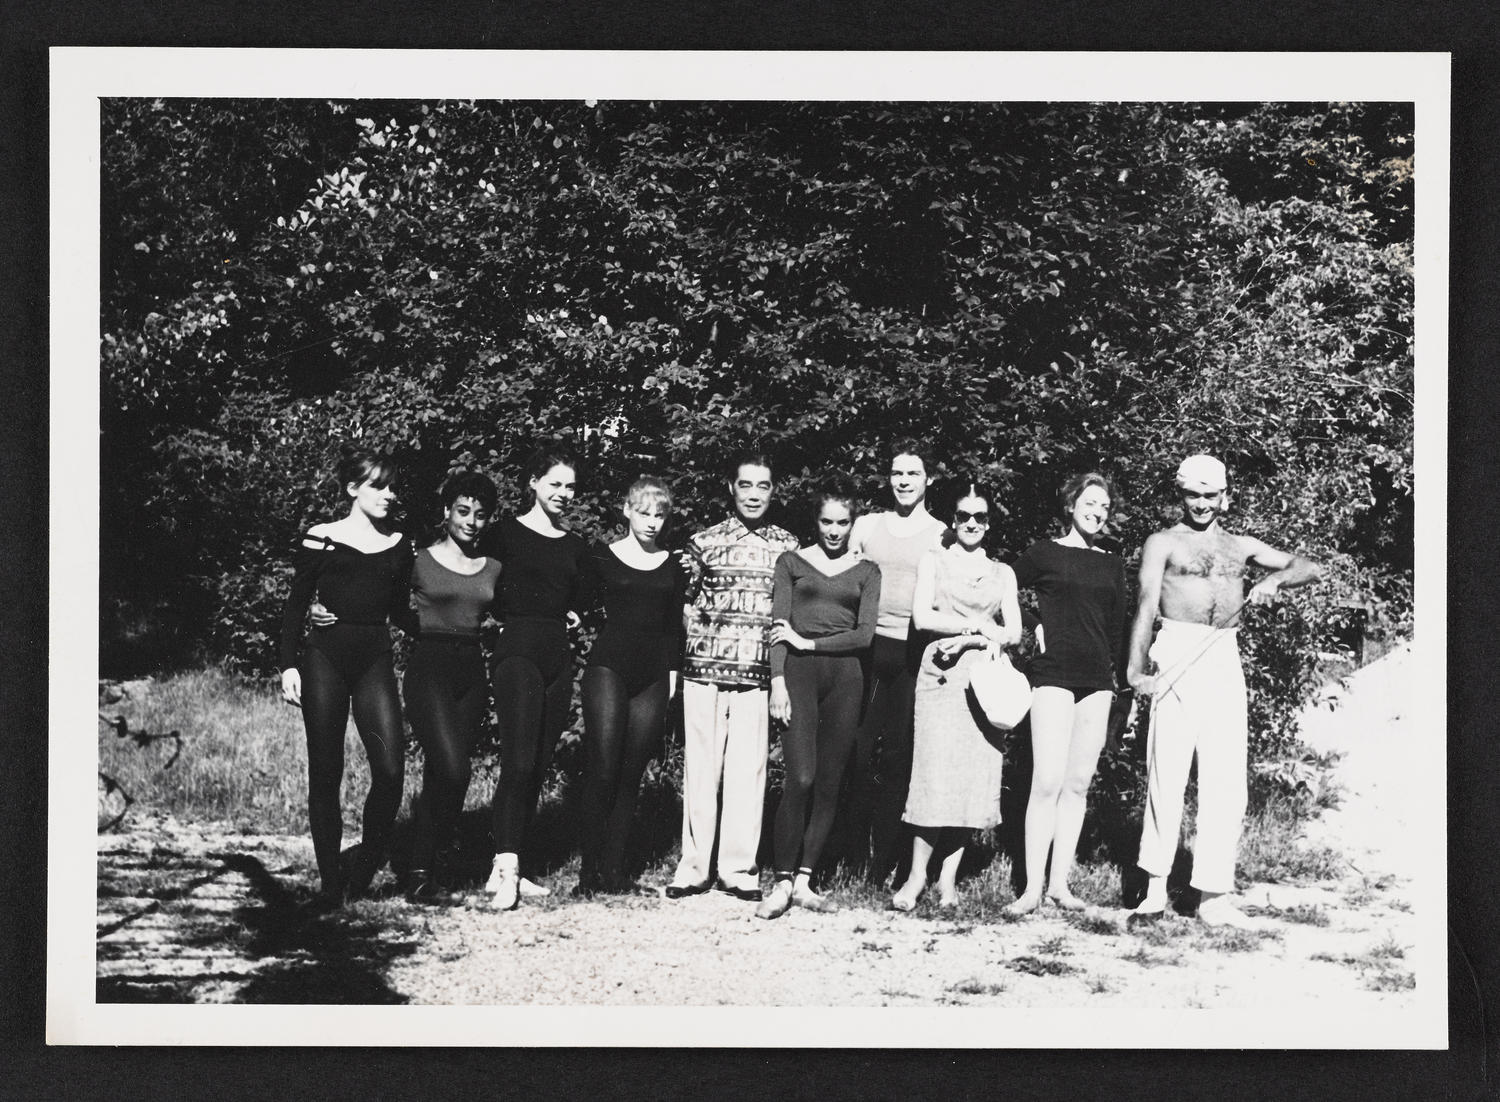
(243, 763)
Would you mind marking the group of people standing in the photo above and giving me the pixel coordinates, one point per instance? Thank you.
(858, 648)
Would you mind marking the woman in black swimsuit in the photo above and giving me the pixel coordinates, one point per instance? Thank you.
(1081, 638)
(542, 566)
(360, 568)
(453, 587)
(631, 677)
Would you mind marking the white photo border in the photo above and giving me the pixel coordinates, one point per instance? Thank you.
(80, 77)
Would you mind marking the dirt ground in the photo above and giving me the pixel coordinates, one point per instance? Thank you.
(190, 913)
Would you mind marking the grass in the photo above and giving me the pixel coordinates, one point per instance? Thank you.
(1306, 914)
(976, 986)
(1274, 850)
(1378, 965)
(1093, 924)
(1041, 966)
(243, 762)
(243, 758)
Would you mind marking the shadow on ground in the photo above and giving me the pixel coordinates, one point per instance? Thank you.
(183, 927)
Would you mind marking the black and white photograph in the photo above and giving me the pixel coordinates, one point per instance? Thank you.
(639, 549)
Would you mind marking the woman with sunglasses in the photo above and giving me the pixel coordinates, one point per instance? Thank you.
(1081, 590)
(964, 602)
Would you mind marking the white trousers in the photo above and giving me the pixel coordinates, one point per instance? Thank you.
(725, 737)
(1203, 713)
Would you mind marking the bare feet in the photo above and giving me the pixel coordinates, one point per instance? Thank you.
(1025, 904)
(1219, 911)
(906, 898)
(1066, 900)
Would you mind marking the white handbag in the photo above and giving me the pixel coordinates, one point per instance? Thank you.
(1001, 691)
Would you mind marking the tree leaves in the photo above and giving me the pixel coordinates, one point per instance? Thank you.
(1035, 289)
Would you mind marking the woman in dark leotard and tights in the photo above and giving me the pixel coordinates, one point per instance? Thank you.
(360, 569)
(1081, 638)
(631, 677)
(824, 604)
(453, 587)
(542, 566)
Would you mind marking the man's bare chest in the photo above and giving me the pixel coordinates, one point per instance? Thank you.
(1213, 558)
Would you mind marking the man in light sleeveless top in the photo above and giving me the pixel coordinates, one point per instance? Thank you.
(895, 541)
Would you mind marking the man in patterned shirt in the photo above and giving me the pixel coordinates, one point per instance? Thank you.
(726, 678)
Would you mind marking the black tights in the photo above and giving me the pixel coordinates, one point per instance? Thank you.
(621, 732)
(445, 697)
(532, 711)
(825, 691)
(351, 666)
(882, 758)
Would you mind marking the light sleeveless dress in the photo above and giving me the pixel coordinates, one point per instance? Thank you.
(956, 760)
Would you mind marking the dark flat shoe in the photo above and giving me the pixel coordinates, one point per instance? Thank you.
(749, 895)
(682, 891)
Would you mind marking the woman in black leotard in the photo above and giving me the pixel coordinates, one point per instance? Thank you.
(360, 569)
(631, 676)
(541, 571)
(824, 605)
(1081, 639)
(453, 587)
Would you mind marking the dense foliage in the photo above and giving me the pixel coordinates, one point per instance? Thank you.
(1036, 289)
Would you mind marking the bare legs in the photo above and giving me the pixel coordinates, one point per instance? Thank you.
(1066, 737)
(947, 845)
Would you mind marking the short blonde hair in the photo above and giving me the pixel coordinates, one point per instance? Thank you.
(648, 490)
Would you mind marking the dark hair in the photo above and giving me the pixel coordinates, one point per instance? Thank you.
(1073, 489)
(545, 458)
(359, 464)
(910, 445)
(750, 457)
(466, 483)
(968, 489)
(838, 490)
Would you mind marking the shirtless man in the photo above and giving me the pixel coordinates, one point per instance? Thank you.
(1192, 575)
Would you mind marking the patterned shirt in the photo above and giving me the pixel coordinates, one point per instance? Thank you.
(730, 571)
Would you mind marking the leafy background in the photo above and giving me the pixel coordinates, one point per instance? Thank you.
(1034, 289)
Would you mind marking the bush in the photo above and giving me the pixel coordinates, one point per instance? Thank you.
(1035, 289)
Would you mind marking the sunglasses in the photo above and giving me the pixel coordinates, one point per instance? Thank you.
(962, 516)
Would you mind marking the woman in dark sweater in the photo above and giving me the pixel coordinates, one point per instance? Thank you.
(1082, 596)
(824, 604)
(631, 677)
(359, 566)
(541, 570)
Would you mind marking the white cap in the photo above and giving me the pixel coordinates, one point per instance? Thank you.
(1202, 473)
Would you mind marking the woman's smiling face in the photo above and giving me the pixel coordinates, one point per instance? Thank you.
(971, 520)
(554, 490)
